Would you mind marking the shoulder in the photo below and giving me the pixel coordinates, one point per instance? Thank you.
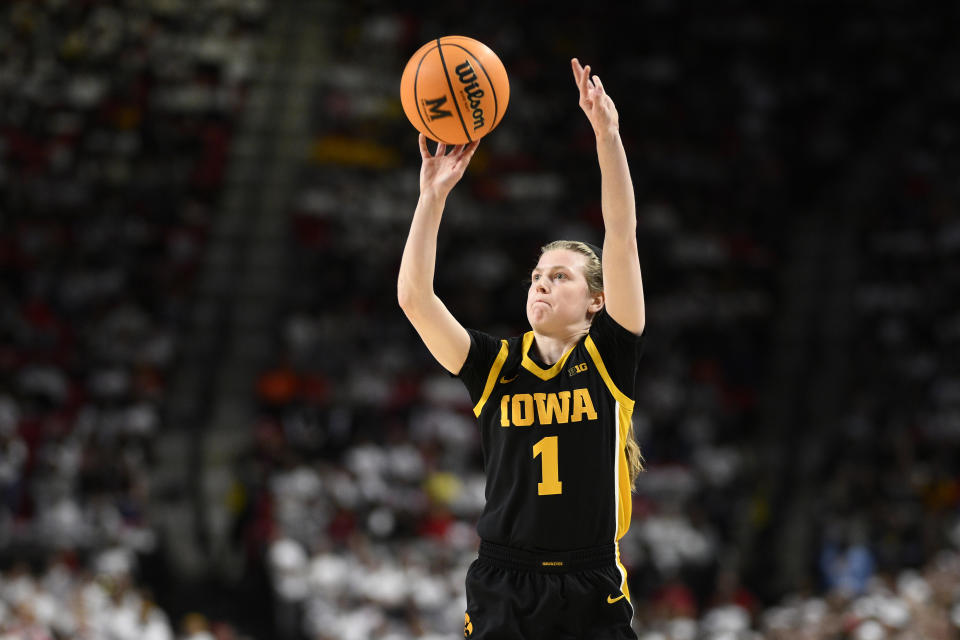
(486, 351)
(616, 352)
(488, 356)
(608, 332)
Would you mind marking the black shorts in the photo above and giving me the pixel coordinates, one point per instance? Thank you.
(514, 595)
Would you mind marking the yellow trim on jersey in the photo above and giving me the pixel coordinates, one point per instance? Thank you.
(622, 488)
(598, 361)
(492, 377)
(533, 367)
(624, 588)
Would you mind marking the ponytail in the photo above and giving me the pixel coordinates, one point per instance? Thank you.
(634, 457)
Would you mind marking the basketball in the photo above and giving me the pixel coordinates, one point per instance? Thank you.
(454, 90)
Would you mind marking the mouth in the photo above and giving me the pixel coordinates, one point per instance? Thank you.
(541, 302)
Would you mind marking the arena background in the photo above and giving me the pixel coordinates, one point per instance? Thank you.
(215, 421)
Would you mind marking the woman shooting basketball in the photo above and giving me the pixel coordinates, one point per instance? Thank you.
(554, 407)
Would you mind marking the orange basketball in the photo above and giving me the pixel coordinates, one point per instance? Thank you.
(454, 90)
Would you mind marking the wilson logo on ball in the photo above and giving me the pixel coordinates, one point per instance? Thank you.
(471, 91)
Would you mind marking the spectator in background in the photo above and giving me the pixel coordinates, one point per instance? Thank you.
(116, 124)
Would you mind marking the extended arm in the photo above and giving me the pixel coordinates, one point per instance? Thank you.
(443, 335)
(623, 285)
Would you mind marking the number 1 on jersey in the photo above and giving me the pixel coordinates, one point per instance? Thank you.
(550, 467)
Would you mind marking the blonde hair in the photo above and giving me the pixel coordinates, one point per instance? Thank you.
(593, 272)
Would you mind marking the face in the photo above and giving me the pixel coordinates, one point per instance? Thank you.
(558, 299)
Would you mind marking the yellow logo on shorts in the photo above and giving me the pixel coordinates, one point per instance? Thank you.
(467, 626)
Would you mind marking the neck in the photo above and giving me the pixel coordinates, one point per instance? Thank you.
(551, 348)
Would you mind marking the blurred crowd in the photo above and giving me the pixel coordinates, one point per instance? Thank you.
(114, 131)
(68, 600)
(739, 135)
(359, 495)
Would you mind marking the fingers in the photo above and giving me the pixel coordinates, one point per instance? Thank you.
(425, 150)
(455, 151)
(465, 151)
(598, 84)
(465, 155)
(581, 75)
(577, 70)
(584, 80)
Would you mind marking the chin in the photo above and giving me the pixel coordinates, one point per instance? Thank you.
(533, 323)
(541, 326)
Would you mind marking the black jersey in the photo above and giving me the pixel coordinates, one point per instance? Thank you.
(554, 438)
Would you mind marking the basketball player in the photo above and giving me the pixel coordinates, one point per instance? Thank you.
(554, 407)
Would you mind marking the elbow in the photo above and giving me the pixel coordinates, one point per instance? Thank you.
(404, 295)
(407, 296)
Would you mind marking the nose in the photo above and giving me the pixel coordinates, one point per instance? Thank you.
(541, 285)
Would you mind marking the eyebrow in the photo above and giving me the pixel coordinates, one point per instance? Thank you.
(556, 266)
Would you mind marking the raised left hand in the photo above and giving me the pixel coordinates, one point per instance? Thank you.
(594, 101)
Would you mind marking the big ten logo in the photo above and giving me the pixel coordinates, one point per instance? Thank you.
(577, 368)
(523, 409)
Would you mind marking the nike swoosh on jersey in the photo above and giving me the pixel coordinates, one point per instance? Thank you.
(611, 599)
(503, 380)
